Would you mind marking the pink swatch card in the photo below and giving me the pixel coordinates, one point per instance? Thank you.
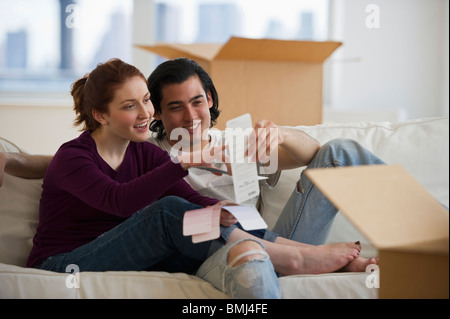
(197, 221)
(203, 224)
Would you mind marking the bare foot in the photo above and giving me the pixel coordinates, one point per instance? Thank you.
(359, 264)
(319, 259)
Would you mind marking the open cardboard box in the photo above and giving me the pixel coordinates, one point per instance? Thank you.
(270, 79)
(401, 219)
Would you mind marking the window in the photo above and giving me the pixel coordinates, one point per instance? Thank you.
(45, 45)
(217, 20)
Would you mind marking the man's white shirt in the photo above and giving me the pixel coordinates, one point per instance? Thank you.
(208, 184)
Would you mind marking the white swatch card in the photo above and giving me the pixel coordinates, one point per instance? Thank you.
(244, 172)
(248, 216)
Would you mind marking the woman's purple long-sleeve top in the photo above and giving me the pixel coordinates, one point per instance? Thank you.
(84, 197)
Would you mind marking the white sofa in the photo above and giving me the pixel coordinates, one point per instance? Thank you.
(421, 146)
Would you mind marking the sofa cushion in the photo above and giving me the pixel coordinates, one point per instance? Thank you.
(19, 207)
(421, 146)
(19, 282)
(8, 146)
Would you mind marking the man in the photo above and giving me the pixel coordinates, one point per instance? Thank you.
(184, 96)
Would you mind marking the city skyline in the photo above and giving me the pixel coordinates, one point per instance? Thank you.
(78, 47)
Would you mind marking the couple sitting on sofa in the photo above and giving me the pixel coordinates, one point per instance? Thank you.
(110, 201)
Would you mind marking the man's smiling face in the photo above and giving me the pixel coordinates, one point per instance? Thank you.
(186, 106)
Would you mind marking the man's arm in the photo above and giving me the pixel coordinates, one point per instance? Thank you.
(23, 165)
(295, 147)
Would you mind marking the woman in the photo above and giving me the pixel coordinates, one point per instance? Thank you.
(112, 201)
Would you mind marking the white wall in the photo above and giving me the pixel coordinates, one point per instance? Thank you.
(39, 128)
(401, 66)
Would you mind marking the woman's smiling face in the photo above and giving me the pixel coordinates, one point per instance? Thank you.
(130, 111)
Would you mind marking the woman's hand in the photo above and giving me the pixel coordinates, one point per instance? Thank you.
(204, 158)
(226, 218)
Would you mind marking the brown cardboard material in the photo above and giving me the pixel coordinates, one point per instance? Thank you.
(277, 80)
(401, 219)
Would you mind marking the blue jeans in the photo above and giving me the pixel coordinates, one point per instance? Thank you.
(308, 215)
(256, 279)
(152, 239)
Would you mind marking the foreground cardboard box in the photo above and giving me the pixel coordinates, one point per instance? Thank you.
(270, 79)
(401, 219)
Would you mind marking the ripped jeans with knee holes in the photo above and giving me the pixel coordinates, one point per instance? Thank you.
(254, 279)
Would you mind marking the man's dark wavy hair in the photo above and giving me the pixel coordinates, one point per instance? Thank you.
(177, 71)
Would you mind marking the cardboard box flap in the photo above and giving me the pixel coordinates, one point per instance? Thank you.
(277, 50)
(388, 206)
(203, 51)
(248, 49)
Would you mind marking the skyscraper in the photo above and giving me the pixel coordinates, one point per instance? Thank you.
(217, 22)
(66, 36)
(16, 49)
